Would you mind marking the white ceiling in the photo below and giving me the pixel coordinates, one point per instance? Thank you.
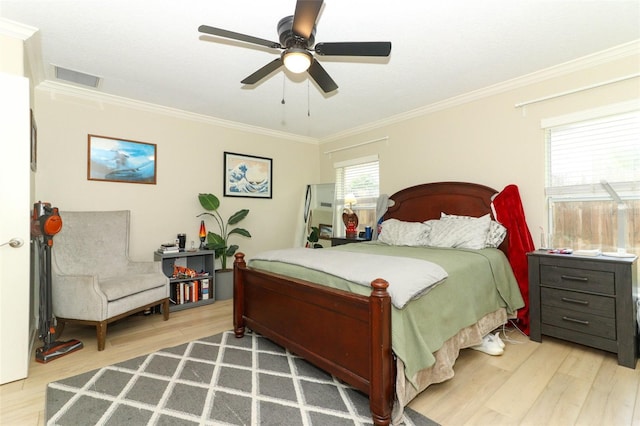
(150, 50)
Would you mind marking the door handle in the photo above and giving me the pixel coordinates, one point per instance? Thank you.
(13, 243)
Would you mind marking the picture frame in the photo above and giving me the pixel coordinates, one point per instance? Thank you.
(326, 231)
(121, 160)
(247, 176)
(34, 143)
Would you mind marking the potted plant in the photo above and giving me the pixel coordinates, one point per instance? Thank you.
(220, 242)
(313, 237)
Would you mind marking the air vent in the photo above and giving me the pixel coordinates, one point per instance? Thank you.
(76, 77)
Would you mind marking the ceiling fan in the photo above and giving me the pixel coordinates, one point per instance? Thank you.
(297, 37)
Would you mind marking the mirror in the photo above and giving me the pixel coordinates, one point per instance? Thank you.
(317, 211)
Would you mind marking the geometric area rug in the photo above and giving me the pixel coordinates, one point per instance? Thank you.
(217, 380)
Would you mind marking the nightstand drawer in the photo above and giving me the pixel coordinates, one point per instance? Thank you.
(580, 302)
(578, 279)
(579, 321)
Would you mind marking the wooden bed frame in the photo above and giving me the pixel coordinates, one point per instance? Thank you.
(345, 334)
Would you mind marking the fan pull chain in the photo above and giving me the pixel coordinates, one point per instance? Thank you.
(308, 99)
(283, 81)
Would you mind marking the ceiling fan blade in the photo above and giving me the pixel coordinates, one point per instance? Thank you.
(321, 77)
(305, 17)
(263, 72)
(237, 36)
(362, 48)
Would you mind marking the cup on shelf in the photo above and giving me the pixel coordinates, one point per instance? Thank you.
(182, 241)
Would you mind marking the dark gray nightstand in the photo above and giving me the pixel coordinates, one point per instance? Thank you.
(338, 241)
(586, 300)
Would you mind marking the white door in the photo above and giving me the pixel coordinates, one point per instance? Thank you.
(15, 131)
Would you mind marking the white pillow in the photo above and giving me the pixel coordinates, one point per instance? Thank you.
(398, 233)
(495, 235)
(459, 232)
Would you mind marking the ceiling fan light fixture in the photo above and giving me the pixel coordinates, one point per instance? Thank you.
(296, 60)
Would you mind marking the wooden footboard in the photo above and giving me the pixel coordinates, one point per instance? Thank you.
(345, 334)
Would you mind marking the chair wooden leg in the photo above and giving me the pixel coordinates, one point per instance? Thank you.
(165, 309)
(101, 333)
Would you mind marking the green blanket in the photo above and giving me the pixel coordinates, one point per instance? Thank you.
(479, 282)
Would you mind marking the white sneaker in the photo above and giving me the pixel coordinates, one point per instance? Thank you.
(496, 339)
(489, 346)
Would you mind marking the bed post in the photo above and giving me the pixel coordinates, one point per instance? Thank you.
(238, 294)
(382, 366)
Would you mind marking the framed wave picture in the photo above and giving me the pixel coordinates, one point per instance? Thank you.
(121, 160)
(247, 176)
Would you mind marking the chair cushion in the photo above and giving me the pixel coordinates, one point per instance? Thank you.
(118, 287)
(92, 243)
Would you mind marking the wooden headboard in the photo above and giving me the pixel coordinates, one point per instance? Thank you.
(423, 202)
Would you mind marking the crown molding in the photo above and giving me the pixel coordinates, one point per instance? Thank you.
(54, 87)
(599, 58)
(588, 61)
(16, 29)
(33, 52)
(30, 37)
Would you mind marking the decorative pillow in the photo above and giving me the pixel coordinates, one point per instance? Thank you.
(469, 233)
(495, 235)
(398, 233)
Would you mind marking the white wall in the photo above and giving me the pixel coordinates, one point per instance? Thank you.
(189, 161)
(486, 140)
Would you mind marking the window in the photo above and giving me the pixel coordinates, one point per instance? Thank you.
(358, 187)
(582, 157)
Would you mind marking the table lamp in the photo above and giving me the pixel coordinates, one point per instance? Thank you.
(203, 235)
(349, 218)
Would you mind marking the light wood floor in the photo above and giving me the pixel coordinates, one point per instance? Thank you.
(553, 383)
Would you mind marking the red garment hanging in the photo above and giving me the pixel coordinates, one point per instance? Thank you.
(509, 212)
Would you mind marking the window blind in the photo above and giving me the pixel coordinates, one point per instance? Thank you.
(357, 178)
(361, 180)
(581, 155)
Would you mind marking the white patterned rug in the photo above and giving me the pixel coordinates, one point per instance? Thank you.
(218, 380)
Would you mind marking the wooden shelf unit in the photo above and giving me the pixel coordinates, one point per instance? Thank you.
(200, 260)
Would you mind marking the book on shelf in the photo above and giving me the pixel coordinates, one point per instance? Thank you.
(188, 292)
(204, 288)
(169, 248)
(193, 287)
(174, 295)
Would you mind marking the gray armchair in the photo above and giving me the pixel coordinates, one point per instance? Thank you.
(93, 280)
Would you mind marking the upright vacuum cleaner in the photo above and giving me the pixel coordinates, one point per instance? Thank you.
(45, 223)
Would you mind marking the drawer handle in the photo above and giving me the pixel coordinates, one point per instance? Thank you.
(577, 301)
(572, 278)
(583, 322)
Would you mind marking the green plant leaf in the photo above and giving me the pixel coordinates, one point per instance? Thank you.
(219, 242)
(209, 201)
(215, 246)
(231, 250)
(215, 240)
(206, 214)
(314, 235)
(238, 216)
(240, 231)
(220, 253)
